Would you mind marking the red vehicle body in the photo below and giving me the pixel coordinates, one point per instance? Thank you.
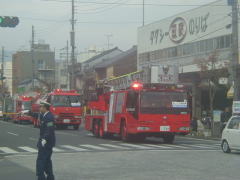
(140, 112)
(21, 104)
(66, 108)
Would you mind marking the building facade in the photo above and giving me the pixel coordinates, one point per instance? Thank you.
(62, 76)
(188, 40)
(86, 71)
(8, 71)
(116, 66)
(38, 64)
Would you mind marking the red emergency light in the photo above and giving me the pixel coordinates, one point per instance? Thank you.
(58, 90)
(137, 86)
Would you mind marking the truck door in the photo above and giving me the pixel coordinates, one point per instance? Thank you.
(132, 104)
(120, 103)
(111, 112)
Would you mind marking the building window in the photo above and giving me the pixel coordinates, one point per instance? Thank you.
(63, 72)
(41, 64)
(120, 102)
(187, 49)
(209, 45)
(63, 86)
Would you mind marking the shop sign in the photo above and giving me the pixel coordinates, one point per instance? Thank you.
(179, 29)
(236, 107)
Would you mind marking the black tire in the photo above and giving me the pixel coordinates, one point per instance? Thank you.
(96, 128)
(169, 139)
(225, 147)
(76, 127)
(125, 136)
(139, 138)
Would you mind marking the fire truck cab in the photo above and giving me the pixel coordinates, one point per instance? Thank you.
(22, 104)
(66, 107)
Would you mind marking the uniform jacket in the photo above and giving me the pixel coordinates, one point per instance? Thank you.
(47, 130)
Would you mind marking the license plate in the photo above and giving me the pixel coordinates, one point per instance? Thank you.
(66, 120)
(165, 128)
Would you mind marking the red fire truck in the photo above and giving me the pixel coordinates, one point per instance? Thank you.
(22, 104)
(139, 111)
(65, 106)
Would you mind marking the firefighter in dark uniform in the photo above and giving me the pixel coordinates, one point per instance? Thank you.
(46, 143)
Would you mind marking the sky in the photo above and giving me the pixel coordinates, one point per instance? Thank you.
(51, 20)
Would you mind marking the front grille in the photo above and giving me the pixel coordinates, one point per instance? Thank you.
(66, 115)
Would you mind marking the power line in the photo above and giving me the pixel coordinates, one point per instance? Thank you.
(136, 4)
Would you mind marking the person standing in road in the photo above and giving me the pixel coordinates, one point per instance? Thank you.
(46, 143)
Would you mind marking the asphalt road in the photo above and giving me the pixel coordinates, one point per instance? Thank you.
(79, 155)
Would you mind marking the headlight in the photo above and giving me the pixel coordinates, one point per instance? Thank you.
(184, 128)
(77, 117)
(143, 128)
(56, 116)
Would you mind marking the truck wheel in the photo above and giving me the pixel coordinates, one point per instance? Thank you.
(101, 130)
(96, 129)
(169, 139)
(124, 134)
(76, 127)
(140, 138)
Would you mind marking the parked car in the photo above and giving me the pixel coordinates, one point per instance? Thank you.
(231, 135)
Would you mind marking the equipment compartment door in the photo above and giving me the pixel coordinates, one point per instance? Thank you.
(111, 111)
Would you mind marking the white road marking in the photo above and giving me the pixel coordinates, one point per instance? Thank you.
(57, 150)
(114, 146)
(63, 133)
(205, 146)
(73, 148)
(13, 134)
(158, 146)
(174, 146)
(8, 150)
(93, 147)
(33, 139)
(135, 146)
(192, 138)
(28, 149)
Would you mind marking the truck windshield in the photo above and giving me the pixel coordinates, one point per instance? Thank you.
(26, 105)
(66, 101)
(163, 102)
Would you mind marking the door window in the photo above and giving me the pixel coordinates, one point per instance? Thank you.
(120, 102)
(111, 108)
(234, 123)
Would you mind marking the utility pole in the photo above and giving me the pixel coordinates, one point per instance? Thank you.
(2, 68)
(73, 60)
(68, 85)
(108, 40)
(235, 53)
(2, 75)
(143, 21)
(32, 57)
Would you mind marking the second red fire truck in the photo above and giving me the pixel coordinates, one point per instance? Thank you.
(66, 108)
(21, 105)
(138, 110)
